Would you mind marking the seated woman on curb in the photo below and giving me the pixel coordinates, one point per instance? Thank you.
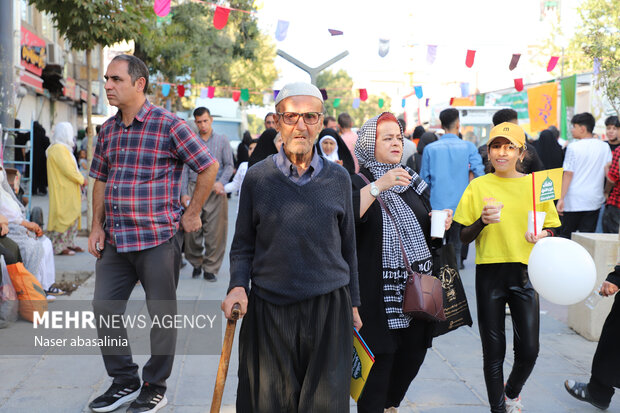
(35, 248)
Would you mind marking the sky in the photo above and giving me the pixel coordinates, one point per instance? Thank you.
(494, 28)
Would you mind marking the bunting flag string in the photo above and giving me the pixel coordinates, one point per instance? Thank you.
(514, 61)
(324, 94)
(464, 89)
(335, 32)
(281, 30)
(356, 103)
(181, 90)
(431, 54)
(236, 94)
(363, 95)
(165, 90)
(161, 7)
(519, 84)
(552, 62)
(336, 102)
(384, 47)
(211, 92)
(403, 103)
(418, 92)
(245, 95)
(220, 17)
(469, 59)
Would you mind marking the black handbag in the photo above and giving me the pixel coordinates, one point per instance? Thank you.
(423, 297)
(455, 304)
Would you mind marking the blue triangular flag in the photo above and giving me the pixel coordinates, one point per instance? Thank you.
(281, 30)
(165, 89)
(418, 92)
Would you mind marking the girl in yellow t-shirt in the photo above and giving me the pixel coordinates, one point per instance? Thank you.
(494, 212)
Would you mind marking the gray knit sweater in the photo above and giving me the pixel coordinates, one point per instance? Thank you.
(294, 242)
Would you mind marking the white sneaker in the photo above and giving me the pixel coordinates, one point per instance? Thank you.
(513, 405)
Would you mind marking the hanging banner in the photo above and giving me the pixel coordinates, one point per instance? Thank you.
(220, 17)
(281, 30)
(461, 102)
(516, 101)
(542, 106)
(480, 99)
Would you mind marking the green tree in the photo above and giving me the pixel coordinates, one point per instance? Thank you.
(187, 47)
(340, 85)
(599, 38)
(256, 124)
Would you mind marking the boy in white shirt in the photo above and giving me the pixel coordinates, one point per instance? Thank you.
(583, 179)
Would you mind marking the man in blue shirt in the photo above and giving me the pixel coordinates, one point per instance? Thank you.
(446, 164)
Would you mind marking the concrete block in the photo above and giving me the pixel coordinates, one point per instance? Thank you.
(604, 250)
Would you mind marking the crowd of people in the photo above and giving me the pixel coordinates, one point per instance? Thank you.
(330, 223)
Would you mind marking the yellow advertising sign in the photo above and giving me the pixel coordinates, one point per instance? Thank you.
(543, 106)
(363, 359)
(548, 185)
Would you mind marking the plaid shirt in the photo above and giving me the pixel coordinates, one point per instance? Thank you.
(141, 165)
(614, 175)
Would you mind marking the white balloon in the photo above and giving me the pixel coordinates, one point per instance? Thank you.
(561, 270)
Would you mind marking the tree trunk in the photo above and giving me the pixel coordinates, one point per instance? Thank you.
(89, 135)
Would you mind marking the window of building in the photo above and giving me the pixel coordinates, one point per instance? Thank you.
(47, 27)
(26, 10)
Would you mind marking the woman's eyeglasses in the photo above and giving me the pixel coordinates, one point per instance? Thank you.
(291, 118)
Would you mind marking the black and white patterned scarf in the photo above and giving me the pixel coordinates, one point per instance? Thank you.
(414, 241)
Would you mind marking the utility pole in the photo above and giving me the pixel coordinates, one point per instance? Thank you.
(7, 90)
(312, 71)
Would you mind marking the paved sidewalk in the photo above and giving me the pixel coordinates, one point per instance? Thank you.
(450, 380)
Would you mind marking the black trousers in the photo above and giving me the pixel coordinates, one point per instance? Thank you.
(297, 357)
(496, 285)
(582, 221)
(606, 362)
(391, 375)
(611, 219)
(453, 236)
(157, 269)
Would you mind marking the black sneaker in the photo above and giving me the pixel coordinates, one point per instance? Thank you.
(117, 395)
(196, 272)
(209, 276)
(580, 392)
(149, 400)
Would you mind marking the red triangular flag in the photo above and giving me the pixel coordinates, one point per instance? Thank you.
(236, 95)
(469, 60)
(514, 61)
(363, 95)
(552, 62)
(181, 90)
(211, 92)
(220, 17)
(519, 84)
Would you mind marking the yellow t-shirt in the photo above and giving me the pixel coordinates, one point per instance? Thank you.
(504, 241)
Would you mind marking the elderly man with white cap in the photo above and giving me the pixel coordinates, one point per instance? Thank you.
(295, 242)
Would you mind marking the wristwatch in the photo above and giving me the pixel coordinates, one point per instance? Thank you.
(374, 191)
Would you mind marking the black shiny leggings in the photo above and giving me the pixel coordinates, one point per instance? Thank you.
(496, 285)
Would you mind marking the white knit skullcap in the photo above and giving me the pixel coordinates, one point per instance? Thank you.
(299, 89)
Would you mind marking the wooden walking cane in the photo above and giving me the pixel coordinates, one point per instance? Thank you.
(222, 369)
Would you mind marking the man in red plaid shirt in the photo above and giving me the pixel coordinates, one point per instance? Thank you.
(137, 226)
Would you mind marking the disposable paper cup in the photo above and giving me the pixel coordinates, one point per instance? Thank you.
(540, 220)
(438, 223)
(496, 204)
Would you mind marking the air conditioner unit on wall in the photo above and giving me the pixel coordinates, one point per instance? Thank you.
(55, 55)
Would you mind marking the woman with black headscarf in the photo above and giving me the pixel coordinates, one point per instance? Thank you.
(39, 159)
(415, 161)
(265, 147)
(242, 149)
(549, 150)
(342, 153)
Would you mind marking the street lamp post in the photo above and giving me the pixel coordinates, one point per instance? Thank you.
(312, 71)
